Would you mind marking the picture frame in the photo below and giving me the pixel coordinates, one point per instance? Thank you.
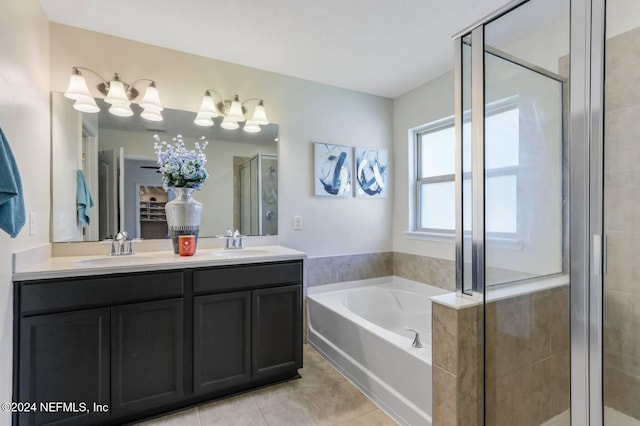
(332, 173)
(372, 172)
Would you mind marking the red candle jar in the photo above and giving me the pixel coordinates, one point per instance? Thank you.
(187, 245)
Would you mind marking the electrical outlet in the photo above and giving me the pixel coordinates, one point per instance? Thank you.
(33, 223)
(297, 223)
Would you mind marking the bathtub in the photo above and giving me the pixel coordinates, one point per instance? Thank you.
(359, 327)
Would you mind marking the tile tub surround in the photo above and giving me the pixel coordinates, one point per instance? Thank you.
(621, 312)
(428, 270)
(354, 267)
(526, 360)
(321, 397)
(455, 364)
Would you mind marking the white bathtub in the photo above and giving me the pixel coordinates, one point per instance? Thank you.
(359, 327)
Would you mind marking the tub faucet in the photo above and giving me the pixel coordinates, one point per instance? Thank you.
(416, 340)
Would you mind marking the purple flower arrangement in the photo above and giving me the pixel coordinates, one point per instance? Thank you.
(181, 167)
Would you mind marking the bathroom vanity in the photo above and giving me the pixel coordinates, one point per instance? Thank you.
(120, 344)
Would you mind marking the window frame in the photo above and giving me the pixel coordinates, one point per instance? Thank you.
(497, 107)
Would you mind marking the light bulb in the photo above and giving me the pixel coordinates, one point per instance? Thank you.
(77, 88)
(260, 115)
(229, 124)
(151, 115)
(121, 110)
(117, 94)
(251, 127)
(208, 106)
(151, 99)
(203, 120)
(86, 104)
(235, 110)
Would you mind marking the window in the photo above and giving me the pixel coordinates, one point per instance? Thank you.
(435, 173)
(435, 178)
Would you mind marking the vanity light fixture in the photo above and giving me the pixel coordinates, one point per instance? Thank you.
(233, 112)
(118, 93)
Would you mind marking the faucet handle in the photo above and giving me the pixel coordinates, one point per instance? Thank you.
(112, 248)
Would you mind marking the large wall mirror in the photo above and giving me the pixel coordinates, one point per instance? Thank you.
(118, 162)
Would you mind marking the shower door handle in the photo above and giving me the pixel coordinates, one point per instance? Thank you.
(597, 254)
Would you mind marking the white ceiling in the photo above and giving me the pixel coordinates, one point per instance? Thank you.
(382, 47)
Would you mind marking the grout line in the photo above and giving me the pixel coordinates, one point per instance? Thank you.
(198, 416)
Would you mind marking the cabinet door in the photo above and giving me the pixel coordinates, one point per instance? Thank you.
(277, 331)
(221, 341)
(147, 352)
(65, 358)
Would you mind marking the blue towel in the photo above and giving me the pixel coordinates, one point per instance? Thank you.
(84, 202)
(12, 213)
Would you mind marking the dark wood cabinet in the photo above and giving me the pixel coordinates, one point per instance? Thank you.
(277, 331)
(65, 357)
(221, 341)
(142, 344)
(146, 355)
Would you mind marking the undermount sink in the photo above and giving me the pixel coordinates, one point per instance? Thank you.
(113, 260)
(239, 253)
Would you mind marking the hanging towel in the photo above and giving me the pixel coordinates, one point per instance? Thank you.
(12, 213)
(84, 202)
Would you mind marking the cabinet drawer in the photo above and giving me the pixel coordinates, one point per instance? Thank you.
(38, 297)
(242, 277)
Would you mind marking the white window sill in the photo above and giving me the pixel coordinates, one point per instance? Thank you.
(430, 236)
(491, 242)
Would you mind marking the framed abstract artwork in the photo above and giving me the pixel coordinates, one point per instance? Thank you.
(372, 172)
(332, 172)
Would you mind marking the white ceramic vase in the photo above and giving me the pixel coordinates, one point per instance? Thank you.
(184, 214)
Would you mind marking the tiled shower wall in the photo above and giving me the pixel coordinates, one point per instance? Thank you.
(527, 368)
(622, 224)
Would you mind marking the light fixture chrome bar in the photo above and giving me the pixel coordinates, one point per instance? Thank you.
(76, 70)
(478, 142)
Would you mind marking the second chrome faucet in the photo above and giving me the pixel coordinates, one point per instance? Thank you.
(120, 250)
(234, 240)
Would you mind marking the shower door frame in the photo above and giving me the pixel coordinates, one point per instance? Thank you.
(587, 22)
(586, 206)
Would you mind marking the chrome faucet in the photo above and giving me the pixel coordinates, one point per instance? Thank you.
(234, 240)
(416, 340)
(121, 238)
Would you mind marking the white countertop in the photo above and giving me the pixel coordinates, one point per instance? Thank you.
(77, 266)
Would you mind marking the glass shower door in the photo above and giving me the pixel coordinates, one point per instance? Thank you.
(517, 190)
(527, 359)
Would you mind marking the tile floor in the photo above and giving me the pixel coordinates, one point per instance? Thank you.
(321, 397)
